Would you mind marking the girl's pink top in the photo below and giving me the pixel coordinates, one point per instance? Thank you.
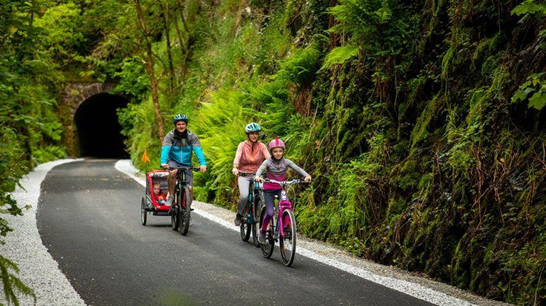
(250, 156)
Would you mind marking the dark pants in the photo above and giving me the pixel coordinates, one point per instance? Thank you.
(269, 197)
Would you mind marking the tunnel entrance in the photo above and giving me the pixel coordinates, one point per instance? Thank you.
(99, 131)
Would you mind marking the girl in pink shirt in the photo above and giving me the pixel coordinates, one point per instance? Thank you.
(250, 155)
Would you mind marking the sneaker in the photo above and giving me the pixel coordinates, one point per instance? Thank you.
(261, 238)
(170, 201)
(237, 220)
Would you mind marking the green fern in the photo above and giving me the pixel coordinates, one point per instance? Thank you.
(300, 67)
(339, 55)
(11, 283)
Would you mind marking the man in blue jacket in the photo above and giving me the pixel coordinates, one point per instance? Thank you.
(177, 149)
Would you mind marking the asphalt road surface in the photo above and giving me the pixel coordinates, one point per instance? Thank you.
(89, 219)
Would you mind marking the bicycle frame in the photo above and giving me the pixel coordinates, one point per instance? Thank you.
(181, 208)
(181, 181)
(253, 189)
(253, 193)
(250, 218)
(180, 190)
(283, 205)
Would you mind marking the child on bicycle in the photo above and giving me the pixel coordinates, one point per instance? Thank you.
(159, 197)
(250, 155)
(276, 167)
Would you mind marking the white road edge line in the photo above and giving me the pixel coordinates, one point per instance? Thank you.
(409, 288)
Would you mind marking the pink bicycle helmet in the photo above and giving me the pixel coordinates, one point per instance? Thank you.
(276, 143)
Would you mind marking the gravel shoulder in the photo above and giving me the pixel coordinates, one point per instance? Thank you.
(24, 246)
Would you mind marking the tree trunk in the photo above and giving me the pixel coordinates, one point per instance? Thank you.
(180, 39)
(150, 70)
(172, 76)
(334, 38)
(188, 36)
(181, 12)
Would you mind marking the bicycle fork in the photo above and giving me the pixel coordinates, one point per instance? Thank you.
(283, 205)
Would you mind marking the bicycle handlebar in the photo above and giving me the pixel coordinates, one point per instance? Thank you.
(241, 173)
(291, 182)
(185, 167)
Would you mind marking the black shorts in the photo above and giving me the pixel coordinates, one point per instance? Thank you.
(187, 172)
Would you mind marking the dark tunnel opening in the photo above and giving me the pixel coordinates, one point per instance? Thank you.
(99, 131)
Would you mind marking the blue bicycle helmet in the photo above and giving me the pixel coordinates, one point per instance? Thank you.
(252, 127)
(180, 117)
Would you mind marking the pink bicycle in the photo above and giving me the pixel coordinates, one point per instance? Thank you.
(282, 226)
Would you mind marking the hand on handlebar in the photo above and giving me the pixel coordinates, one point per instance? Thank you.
(259, 179)
(165, 166)
(200, 168)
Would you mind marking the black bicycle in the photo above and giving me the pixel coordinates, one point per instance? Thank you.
(181, 210)
(251, 216)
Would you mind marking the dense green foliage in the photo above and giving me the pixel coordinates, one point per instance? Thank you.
(422, 122)
(30, 131)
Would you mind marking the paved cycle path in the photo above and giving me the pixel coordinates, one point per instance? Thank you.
(89, 219)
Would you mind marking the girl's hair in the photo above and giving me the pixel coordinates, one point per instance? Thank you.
(157, 184)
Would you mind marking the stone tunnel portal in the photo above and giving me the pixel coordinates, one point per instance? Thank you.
(98, 128)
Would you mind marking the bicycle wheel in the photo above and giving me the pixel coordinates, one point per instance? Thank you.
(143, 213)
(245, 230)
(174, 219)
(287, 242)
(185, 212)
(269, 245)
(256, 208)
(254, 231)
(175, 222)
(245, 227)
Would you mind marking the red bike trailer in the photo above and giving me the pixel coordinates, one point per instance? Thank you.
(149, 204)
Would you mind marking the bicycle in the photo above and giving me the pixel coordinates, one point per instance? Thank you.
(181, 210)
(282, 226)
(254, 202)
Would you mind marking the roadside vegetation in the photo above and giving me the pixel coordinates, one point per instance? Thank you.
(422, 122)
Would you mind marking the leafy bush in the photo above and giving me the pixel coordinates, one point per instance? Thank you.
(535, 84)
(402, 113)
